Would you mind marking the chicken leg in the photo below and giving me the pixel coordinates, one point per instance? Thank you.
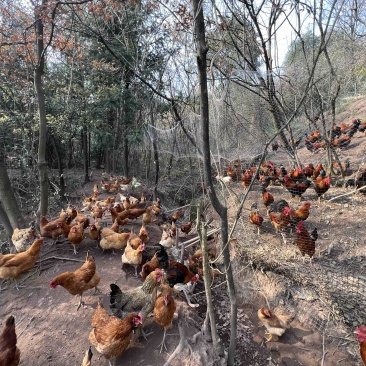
(162, 344)
(80, 303)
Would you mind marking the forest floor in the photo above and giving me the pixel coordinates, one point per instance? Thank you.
(51, 332)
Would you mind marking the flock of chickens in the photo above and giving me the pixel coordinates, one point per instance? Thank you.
(111, 334)
(162, 274)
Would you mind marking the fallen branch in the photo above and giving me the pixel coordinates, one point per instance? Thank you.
(60, 258)
(347, 194)
(196, 239)
(176, 209)
(183, 343)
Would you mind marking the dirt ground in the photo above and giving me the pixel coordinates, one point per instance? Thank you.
(51, 331)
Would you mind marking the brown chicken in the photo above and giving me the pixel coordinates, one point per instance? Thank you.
(300, 214)
(361, 336)
(144, 235)
(133, 256)
(321, 185)
(305, 241)
(115, 226)
(280, 220)
(164, 310)
(80, 217)
(120, 216)
(246, 178)
(147, 217)
(13, 265)
(275, 323)
(319, 169)
(140, 299)
(97, 212)
(114, 240)
(9, 352)
(87, 357)
(267, 198)
(254, 217)
(23, 238)
(186, 228)
(296, 188)
(53, 229)
(309, 170)
(94, 231)
(76, 283)
(112, 336)
(76, 235)
(159, 260)
(134, 213)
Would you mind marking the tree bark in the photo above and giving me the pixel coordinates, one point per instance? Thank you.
(84, 139)
(59, 167)
(11, 216)
(201, 49)
(38, 72)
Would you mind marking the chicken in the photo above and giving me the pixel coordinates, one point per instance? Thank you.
(147, 217)
(53, 229)
(23, 238)
(173, 229)
(300, 214)
(94, 231)
(246, 178)
(143, 198)
(140, 299)
(176, 215)
(186, 228)
(76, 235)
(134, 213)
(254, 217)
(80, 217)
(305, 241)
(164, 310)
(211, 250)
(319, 169)
(76, 283)
(296, 188)
(361, 336)
(115, 226)
(321, 185)
(281, 220)
(97, 212)
(309, 170)
(166, 240)
(182, 279)
(144, 235)
(112, 336)
(224, 179)
(87, 358)
(122, 217)
(13, 265)
(275, 323)
(342, 142)
(267, 198)
(133, 256)
(9, 352)
(114, 240)
(338, 168)
(159, 260)
(127, 204)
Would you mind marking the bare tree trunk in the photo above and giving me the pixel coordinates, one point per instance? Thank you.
(201, 49)
(125, 156)
(11, 216)
(38, 72)
(84, 139)
(59, 167)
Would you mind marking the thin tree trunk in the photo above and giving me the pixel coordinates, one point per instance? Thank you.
(125, 157)
(59, 167)
(11, 214)
(84, 139)
(38, 72)
(202, 49)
